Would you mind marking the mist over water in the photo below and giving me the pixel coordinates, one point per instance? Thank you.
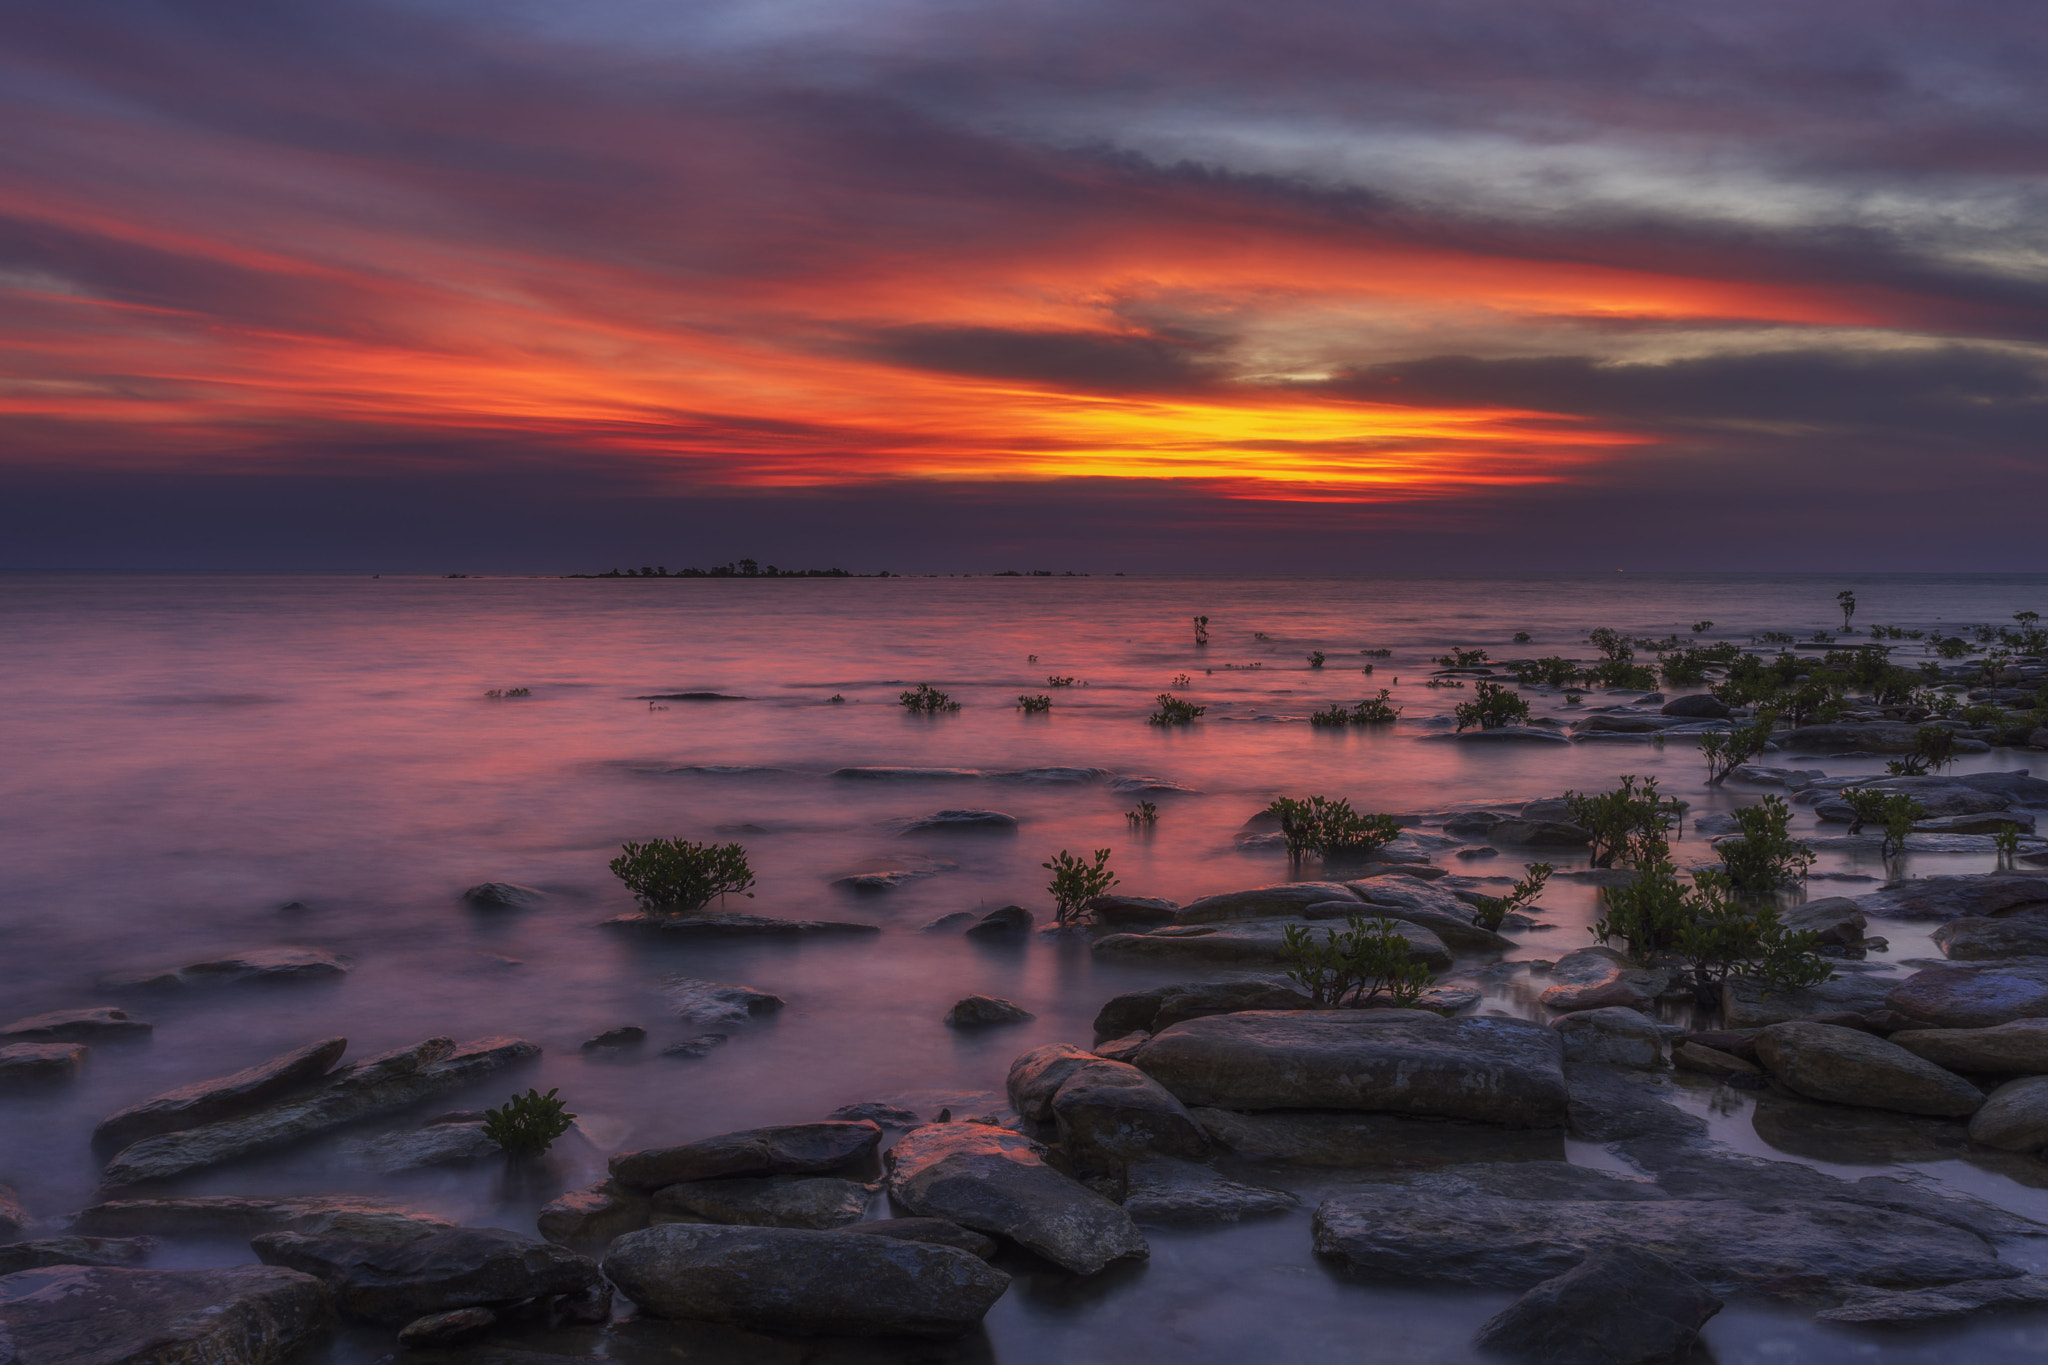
(198, 766)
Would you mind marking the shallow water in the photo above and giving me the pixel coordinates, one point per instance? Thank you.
(188, 755)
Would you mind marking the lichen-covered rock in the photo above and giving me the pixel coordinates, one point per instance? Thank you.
(1620, 1306)
(396, 1282)
(786, 1149)
(1848, 1066)
(1110, 1115)
(188, 1106)
(1036, 1076)
(97, 1315)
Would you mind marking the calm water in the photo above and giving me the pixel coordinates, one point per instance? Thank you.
(185, 756)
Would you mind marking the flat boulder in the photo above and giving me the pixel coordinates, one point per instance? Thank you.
(1168, 1191)
(1842, 738)
(260, 964)
(1164, 1006)
(1957, 897)
(1111, 1115)
(1008, 922)
(1264, 902)
(1539, 834)
(1622, 1305)
(1307, 1137)
(38, 1063)
(1443, 913)
(357, 1217)
(49, 1251)
(986, 1011)
(188, 1106)
(818, 1202)
(2019, 1048)
(787, 1149)
(395, 1282)
(2015, 1116)
(423, 1149)
(963, 822)
(1973, 939)
(1915, 1307)
(995, 1182)
(1699, 706)
(1750, 1004)
(590, 1218)
(1959, 995)
(716, 1002)
(1505, 1071)
(938, 1231)
(1600, 978)
(503, 896)
(1837, 919)
(1132, 912)
(90, 1025)
(1937, 800)
(793, 1280)
(98, 1315)
(1252, 943)
(1036, 1076)
(1612, 1036)
(1848, 1066)
(688, 927)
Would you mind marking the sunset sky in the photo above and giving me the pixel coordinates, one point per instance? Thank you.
(1300, 285)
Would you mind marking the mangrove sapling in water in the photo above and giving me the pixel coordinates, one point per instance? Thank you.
(1573, 698)
(673, 876)
(1201, 630)
(1494, 707)
(1899, 816)
(1874, 807)
(527, 1125)
(1764, 857)
(1702, 627)
(1333, 716)
(1727, 750)
(1558, 672)
(1355, 967)
(1847, 601)
(1145, 813)
(508, 693)
(926, 700)
(1725, 938)
(1376, 710)
(1628, 824)
(1461, 658)
(1331, 829)
(1912, 765)
(1034, 705)
(1181, 680)
(1316, 658)
(1522, 637)
(1075, 882)
(1936, 745)
(1620, 673)
(1173, 711)
(1059, 682)
(2007, 842)
(1648, 914)
(1491, 911)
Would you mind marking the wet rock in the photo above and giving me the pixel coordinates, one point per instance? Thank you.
(1012, 921)
(261, 964)
(700, 1046)
(2015, 1116)
(1925, 898)
(1133, 912)
(873, 1111)
(1998, 822)
(1707, 1061)
(38, 1063)
(1166, 1191)
(1505, 734)
(1843, 738)
(1620, 1306)
(503, 896)
(1985, 940)
(789, 1149)
(1612, 1104)
(1846, 1066)
(1842, 1135)
(395, 1282)
(1699, 706)
(1936, 800)
(2019, 1048)
(791, 1280)
(1121, 1049)
(50, 1251)
(1111, 1114)
(613, 1039)
(588, 1219)
(1837, 919)
(1747, 1004)
(75, 1026)
(1264, 902)
(963, 822)
(1597, 978)
(1312, 1138)
(97, 1315)
(1614, 1035)
(355, 1217)
(689, 927)
(937, 1231)
(1473, 824)
(367, 1089)
(946, 924)
(222, 1097)
(1505, 1071)
(716, 1002)
(1253, 943)
(1776, 777)
(1913, 1307)
(1969, 996)
(994, 1181)
(1448, 1000)
(1612, 724)
(445, 1329)
(1164, 1006)
(1434, 908)
(1036, 1076)
(1539, 834)
(436, 1145)
(986, 1011)
(816, 1202)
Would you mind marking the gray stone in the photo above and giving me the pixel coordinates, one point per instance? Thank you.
(2018, 785)
(874, 1111)
(1984, 940)
(445, 1329)
(1843, 738)
(395, 1282)
(624, 1036)
(1762, 776)
(1539, 834)
(1746, 1003)
(1314, 1138)
(1133, 912)
(367, 1089)
(260, 964)
(1837, 919)
(1012, 921)
(75, 1026)
(1847, 1066)
(2015, 1116)
(1166, 1191)
(588, 1219)
(994, 1181)
(223, 1097)
(1699, 706)
(1913, 1307)
(1612, 724)
(1620, 1306)
(356, 1217)
(422, 1149)
(38, 1063)
(701, 926)
(816, 1202)
(503, 896)
(1036, 1076)
(1436, 909)
(716, 1002)
(956, 921)
(1614, 1035)
(1505, 1071)
(986, 1011)
(1164, 1006)
(1957, 995)
(98, 1315)
(793, 1280)
(2019, 1048)
(1597, 978)
(788, 1149)
(963, 822)
(1252, 943)
(1264, 902)
(48, 1251)
(1998, 822)
(1709, 1061)
(1505, 734)
(938, 1231)
(1936, 798)
(1111, 1114)
(1987, 894)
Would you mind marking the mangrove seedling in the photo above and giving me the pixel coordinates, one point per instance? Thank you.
(527, 1125)
(1846, 600)
(1355, 967)
(1727, 750)
(1331, 829)
(1628, 824)
(1492, 910)
(1367, 670)
(1494, 707)
(1142, 814)
(1075, 882)
(1521, 637)
(1173, 711)
(1315, 658)
(1550, 669)
(1898, 825)
(1034, 705)
(1648, 914)
(1376, 710)
(1702, 627)
(926, 700)
(1912, 765)
(508, 693)
(676, 876)
(1333, 716)
(2007, 842)
(1725, 938)
(1873, 807)
(1461, 658)
(837, 699)
(1056, 681)
(1201, 630)
(1182, 680)
(1764, 856)
(1573, 698)
(1377, 653)
(1936, 745)
(1260, 635)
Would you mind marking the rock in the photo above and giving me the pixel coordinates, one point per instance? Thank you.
(1133, 912)
(395, 1282)
(1937, 799)
(946, 924)
(50, 1251)
(937, 1231)
(1448, 1000)
(986, 1011)
(1846, 1066)
(1415, 871)
(716, 1002)
(1264, 902)
(223, 1097)
(1163, 1006)
(700, 1046)
(790, 1149)
(1163, 1190)
(503, 896)
(1991, 893)
(367, 1089)
(75, 1026)
(1597, 978)
(445, 1329)
(1539, 833)
(588, 1219)
(1707, 1061)
(1776, 777)
(1473, 824)
(1505, 1071)
(1111, 1114)
(817, 1202)
(1613, 724)
(1316, 1138)
(613, 1039)
(1012, 921)
(1613, 1035)
(1750, 1004)
(1036, 1076)
(1611, 1105)
(1250, 943)
(1982, 940)
(700, 926)
(1440, 911)
(1837, 919)
(2015, 1116)
(355, 1217)
(97, 1315)
(1505, 734)
(994, 1181)
(36, 1063)
(13, 1217)
(792, 1280)
(1955, 995)
(1699, 706)
(963, 822)
(1843, 738)
(1620, 1306)
(1912, 1307)
(1995, 823)
(439, 1144)
(261, 964)
(2019, 1048)
(873, 1111)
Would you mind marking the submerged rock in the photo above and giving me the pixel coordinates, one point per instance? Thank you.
(35, 1063)
(1699, 706)
(1988, 940)
(1264, 902)
(503, 896)
(1252, 943)
(75, 1026)
(986, 1011)
(963, 822)
(588, 1219)
(688, 927)
(788, 1149)
(2019, 1048)
(96, 1315)
(1986, 894)
(1620, 1306)
(1011, 921)
(48, 1251)
(1960, 996)
(816, 1202)
(716, 1002)
(395, 1282)
(438, 1144)
(790, 1280)
(1316, 1138)
(222, 1097)
(356, 1217)
(874, 1111)
(1132, 912)
(261, 964)
(1597, 978)
(1847, 1066)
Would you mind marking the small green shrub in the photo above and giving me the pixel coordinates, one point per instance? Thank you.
(1034, 705)
(1377, 653)
(1331, 829)
(1201, 630)
(1899, 817)
(674, 875)
(1613, 645)
(1875, 807)
(1376, 710)
(1628, 824)
(1075, 882)
(1173, 711)
(1493, 707)
(926, 700)
(1952, 647)
(1622, 674)
(1846, 600)
(1521, 637)
(1181, 680)
(508, 693)
(527, 1125)
(1142, 814)
(1727, 750)
(1461, 658)
(1765, 856)
(1647, 915)
(1912, 765)
(1356, 967)
(2007, 842)
(1724, 938)
(1936, 744)
(1316, 658)
(1334, 716)
(1492, 910)
(1702, 627)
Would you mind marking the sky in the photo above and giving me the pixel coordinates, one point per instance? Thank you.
(1170, 285)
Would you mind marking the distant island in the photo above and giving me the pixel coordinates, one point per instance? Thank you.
(745, 568)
